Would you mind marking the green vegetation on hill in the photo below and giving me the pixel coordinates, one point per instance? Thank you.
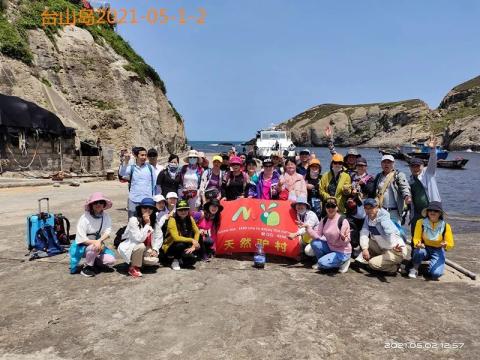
(324, 110)
(468, 84)
(13, 41)
(14, 37)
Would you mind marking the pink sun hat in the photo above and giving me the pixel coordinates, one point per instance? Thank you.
(236, 160)
(97, 196)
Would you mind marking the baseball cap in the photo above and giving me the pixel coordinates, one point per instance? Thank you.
(388, 157)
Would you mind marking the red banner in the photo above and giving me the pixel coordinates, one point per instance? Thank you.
(246, 222)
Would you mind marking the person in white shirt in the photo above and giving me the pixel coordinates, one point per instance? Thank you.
(143, 238)
(93, 228)
(304, 216)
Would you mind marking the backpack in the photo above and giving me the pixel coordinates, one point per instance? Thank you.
(354, 231)
(119, 237)
(62, 229)
(339, 222)
(46, 242)
(154, 181)
(120, 177)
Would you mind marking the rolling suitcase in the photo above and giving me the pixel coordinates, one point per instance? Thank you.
(38, 221)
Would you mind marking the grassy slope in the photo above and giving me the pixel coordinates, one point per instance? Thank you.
(468, 84)
(14, 38)
(325, 110)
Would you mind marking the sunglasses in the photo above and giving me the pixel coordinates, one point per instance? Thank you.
(99, 202)
(433, 211)
(330, 206)
(337, 163)
(182, 210)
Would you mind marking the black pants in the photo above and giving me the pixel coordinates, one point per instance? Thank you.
(177, 251)
(206, 244)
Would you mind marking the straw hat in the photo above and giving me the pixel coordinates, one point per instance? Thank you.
(192, 153)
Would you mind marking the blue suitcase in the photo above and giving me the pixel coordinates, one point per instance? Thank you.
(37, 221)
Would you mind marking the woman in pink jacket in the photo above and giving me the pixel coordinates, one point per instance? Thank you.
(331, 242)
(293, 181)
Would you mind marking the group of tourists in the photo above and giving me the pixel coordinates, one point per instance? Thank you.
(344, 215)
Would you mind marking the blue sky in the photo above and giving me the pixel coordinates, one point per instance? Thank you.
(259, 62)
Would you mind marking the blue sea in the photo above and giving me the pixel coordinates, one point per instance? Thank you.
(457, 187)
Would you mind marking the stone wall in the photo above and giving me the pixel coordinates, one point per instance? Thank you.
(43, 154)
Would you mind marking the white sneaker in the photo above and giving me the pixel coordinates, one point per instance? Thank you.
(175, 265)
(344, 267)
(361, 259)
(309, 251)
(412, 274)
(316, 267)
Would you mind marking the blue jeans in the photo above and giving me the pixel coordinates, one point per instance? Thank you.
(436, 257)
(132, 208)
(327, 259)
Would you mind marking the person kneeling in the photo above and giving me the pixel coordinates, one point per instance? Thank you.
(335, 252)
(432, 237)
(182, 238)
(304, 216)
(143, 238)
(93, 228)
(380, 240)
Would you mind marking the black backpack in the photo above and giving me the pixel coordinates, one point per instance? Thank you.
(354, 230)
(118, 237)
(62, 229)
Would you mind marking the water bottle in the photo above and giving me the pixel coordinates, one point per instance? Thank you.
(259, 257)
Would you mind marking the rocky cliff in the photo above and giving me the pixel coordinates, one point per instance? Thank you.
(457, 120)
(460, 112)
(88, 76)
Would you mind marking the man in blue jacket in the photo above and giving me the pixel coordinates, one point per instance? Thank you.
(382, 246)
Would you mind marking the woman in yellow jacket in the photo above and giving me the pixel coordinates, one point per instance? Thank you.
(182, 238)
(336, 183)
(431, 238)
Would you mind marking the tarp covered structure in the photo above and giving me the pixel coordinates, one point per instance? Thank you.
(18, 113)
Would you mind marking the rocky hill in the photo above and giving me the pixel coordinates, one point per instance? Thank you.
(457, 120)
(88, 76)
(460, 113)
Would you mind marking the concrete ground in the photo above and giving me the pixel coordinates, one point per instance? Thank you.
(224, 309)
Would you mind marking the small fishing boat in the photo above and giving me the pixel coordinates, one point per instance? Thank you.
(457, 163)
(452, 164)
(422, 151)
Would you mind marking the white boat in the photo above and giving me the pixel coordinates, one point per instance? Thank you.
(271, 140)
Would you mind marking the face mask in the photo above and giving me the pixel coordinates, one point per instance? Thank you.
(172, 166)
(192, 161)
(337, 168)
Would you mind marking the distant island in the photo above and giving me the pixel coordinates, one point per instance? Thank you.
(456, 120)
